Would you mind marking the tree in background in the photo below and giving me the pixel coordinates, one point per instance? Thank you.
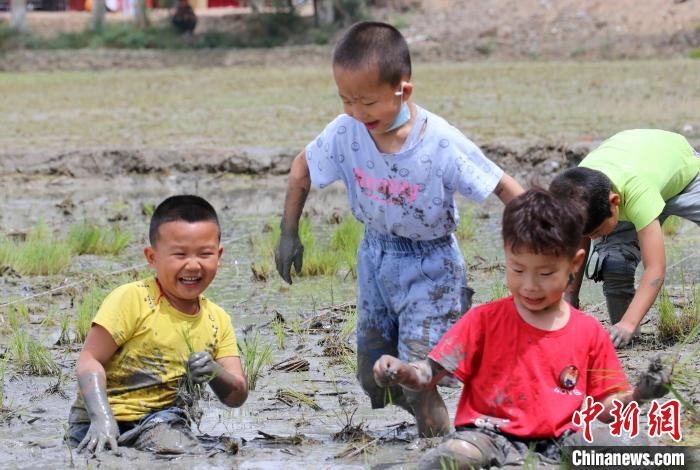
(98, 15)
(18, 21)
(141, 16)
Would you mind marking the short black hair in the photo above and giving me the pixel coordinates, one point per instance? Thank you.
(372, 43)
(590, 188)
(181, 207)
(538, 222)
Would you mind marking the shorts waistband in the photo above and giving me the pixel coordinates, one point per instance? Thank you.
(402, 244)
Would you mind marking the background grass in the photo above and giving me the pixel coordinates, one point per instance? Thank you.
(289, 106)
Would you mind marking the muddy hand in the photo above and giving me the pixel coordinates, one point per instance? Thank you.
(202, 367)
(103, 429)
(621, 334)
(387, 370)
(655, 381)
(289, 250)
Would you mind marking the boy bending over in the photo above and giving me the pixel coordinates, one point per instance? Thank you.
(401, 166)
(527, 361)
(154, 340)
(629, 185)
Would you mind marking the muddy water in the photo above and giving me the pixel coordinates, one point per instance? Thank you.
(32, 438)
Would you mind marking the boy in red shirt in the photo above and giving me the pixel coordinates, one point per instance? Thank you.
(527, 361)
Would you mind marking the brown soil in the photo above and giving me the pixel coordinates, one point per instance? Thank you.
(438, 30)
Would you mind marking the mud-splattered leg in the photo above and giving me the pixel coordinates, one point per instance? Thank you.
(465, 450)
(430, 411)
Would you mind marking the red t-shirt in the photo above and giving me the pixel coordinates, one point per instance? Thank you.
(526, 381)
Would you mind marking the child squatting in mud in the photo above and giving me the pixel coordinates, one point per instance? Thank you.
(401, 166)
(154, 341)
(630, 184)
(527, 361)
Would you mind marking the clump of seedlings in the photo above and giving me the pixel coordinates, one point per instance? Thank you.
(37, 254)
(86, 310)
(189, 392)
(3, 371)
(293, 398)
(672, 225)
(30, 355)
(89, 238)
(278, 328)
(673, 326)
(17, 316)
(499, 290)
(467, 225)
(255, 356)
(345, 240)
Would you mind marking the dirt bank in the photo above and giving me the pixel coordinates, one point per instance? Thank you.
(530, 160)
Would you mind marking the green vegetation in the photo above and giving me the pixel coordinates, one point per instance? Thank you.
(673, 326)
(349, 325)
(29, 355)
(499, 290)
(694, 53)
(17, 316)
(86, 310)
(255, 356)
(671, 225)
(3, 371)
(467, 225)
(278, 328)
(38, 254)
(89, 238)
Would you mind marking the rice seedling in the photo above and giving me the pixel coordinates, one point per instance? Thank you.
(349, 324)
(530, 461)
(89, 238)
(148, 209)
(348, 360)
(448, 463)
(41, 257)
(3, 370)
(255, 357)
(690, 314)
(64, 325)
(345, 240)
(671, 225)
(7, 251)
(670, 327)
(291, 398)
(279, 330)
(189, 392)
(467, 225)
(499, 290)
(30, 355)
(86, 310)
(17, 316)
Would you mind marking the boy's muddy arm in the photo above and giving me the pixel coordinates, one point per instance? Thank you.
(416, 376)
(98, 350)
(507, 188)
(653, 383)
(651, 242)
(573, 289)
(289, 248)
(225, 376)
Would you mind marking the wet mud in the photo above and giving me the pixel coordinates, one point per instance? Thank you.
(308, 408)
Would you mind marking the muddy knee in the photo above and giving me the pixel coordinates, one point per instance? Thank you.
(453, 453)
(168, 438)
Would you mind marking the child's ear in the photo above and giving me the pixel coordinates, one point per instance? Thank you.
(614, 199)
(407, 90)
(579, 259)
(150, 255)
(221, 252)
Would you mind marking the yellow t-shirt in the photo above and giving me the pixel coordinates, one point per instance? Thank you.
(144, 374)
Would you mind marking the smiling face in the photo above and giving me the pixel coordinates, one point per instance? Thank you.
(186, 257)
(366, 99)
(538, 281)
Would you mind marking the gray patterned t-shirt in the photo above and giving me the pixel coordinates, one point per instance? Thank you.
(407, 194)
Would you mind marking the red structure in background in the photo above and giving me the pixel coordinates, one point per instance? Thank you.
(79, 5)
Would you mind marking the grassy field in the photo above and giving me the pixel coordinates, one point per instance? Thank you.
(287, 106)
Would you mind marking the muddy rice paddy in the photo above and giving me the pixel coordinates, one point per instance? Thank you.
(307, 412)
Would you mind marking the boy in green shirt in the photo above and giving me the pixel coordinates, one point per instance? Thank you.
(629, 185)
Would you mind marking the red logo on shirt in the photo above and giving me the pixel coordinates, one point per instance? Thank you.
(568, 377)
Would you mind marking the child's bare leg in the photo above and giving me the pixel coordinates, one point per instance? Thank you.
(430, 412)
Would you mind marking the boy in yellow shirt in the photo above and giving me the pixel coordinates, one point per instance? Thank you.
(151, 337)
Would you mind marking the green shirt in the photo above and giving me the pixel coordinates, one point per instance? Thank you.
(647, 167)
